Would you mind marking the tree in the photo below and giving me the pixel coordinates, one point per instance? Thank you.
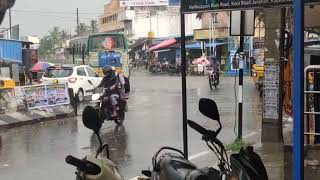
(83, 29)
(55, 39)
(64, 35)
(46, 45)
(55, 36)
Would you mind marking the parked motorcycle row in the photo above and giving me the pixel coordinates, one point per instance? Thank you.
(170, 163)
(165, 68)
(136, 64)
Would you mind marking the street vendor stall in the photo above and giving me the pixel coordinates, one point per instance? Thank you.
(198, 66)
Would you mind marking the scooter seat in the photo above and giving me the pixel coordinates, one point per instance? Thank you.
(175, 167)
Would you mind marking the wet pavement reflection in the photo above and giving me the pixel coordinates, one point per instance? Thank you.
(154, 119)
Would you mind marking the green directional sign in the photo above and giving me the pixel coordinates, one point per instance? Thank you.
(215, 5)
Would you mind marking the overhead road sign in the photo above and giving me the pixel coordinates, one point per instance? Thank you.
(188, 6)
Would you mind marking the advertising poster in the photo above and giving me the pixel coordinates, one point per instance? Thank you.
(36, 96)
(271, 90)
(62, 94)
(51, 94)
(19, 95)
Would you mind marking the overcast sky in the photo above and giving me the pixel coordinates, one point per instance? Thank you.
(36, 17)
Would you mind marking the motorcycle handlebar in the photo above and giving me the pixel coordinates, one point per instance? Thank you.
(76, 162)
(83, 165)
(197, 127)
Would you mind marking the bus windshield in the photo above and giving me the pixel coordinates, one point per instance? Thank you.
(107, 43)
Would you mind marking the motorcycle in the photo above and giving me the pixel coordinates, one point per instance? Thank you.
(173, 69)
(104, 107)
(156, 68)
(94, 167)
(245, 165)
(134, 64)
(213, 79)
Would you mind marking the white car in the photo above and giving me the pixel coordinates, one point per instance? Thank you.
(81, 78)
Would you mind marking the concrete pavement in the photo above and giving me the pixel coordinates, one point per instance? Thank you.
(16, 119)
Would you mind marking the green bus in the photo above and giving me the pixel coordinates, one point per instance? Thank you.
(94, 46)
(105, 43)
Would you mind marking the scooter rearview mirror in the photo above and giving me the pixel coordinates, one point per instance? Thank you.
(209, 108)
(90, 119)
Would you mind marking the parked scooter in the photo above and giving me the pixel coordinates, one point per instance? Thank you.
(94, 167)
(246, 165)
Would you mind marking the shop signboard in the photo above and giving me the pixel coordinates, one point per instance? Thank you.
(131, 3)
(206, 5)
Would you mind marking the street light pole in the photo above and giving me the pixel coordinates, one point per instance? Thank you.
(184, 86)
(241, 64)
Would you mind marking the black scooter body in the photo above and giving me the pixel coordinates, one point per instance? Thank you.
(173, 166)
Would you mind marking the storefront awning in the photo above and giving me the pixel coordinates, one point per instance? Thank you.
(164, 44)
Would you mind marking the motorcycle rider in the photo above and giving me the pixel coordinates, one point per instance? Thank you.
(111, 82)
(215, 65)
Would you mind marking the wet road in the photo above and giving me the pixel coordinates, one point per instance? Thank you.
(153, 120)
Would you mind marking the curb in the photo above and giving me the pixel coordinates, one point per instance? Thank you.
(34, 121)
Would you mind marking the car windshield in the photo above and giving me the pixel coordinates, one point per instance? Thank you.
(58, 73)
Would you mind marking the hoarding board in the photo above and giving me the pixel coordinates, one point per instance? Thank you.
(132, 3)
(40, 96)
(207, 5)
(36, 96)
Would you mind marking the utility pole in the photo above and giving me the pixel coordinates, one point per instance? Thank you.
(73, 51)
(241, 64)
(77, 21)
(10, 23)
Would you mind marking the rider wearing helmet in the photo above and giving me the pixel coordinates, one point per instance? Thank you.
(122, 81)
(111, 82)
(215, 66)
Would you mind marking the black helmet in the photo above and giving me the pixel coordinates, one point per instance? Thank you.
(107, 69)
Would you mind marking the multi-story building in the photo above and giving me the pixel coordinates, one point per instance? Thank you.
(158, 20)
